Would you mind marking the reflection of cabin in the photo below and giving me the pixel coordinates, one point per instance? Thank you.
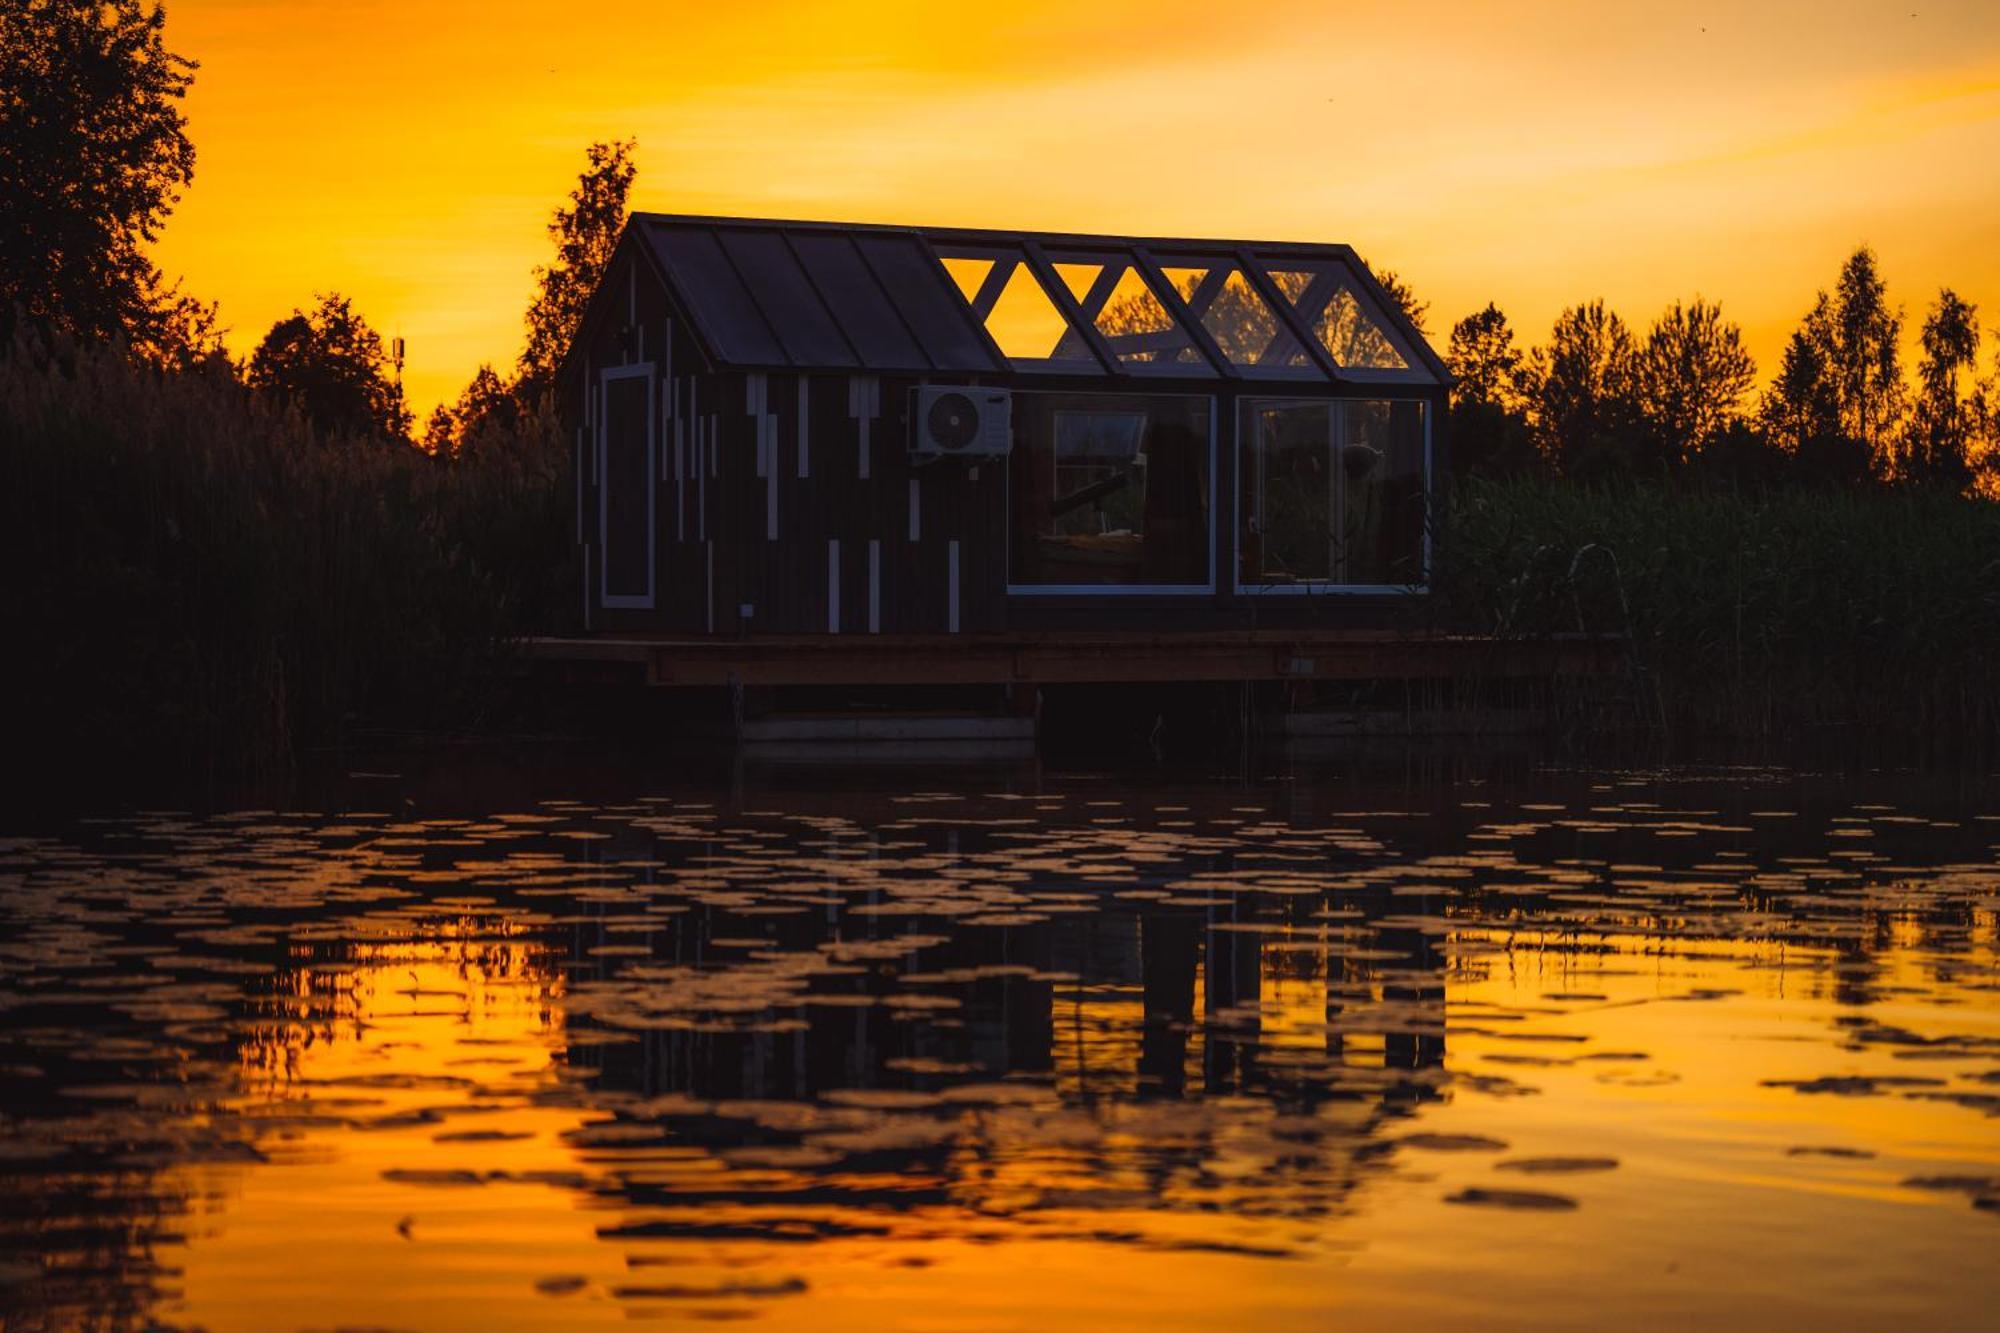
(802, 428)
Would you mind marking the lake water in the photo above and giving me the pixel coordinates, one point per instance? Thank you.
(1563, 1048)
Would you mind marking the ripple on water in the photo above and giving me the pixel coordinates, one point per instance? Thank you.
(1223, 1030)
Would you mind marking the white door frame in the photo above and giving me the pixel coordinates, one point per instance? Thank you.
(604, 595)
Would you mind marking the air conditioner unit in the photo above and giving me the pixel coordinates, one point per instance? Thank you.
(960, 421)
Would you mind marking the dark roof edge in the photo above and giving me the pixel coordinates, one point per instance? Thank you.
(1002, 235)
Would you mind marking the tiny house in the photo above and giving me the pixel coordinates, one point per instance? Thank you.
(792, 428)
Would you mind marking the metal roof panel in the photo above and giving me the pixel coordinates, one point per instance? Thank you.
(866, 313)
(929, 303)
(785, 295)
(723, 310)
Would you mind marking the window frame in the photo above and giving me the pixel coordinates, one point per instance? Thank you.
(1336, 425)
(1207, 589)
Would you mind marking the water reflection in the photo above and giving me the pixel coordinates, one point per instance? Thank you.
(1193, 1056)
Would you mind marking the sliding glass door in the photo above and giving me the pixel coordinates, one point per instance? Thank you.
(1331, 494)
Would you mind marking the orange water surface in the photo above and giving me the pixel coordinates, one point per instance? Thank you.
(1576, 1050)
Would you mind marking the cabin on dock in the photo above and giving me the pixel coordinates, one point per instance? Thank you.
(798, 428)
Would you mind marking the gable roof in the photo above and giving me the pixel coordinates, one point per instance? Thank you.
(764, 294)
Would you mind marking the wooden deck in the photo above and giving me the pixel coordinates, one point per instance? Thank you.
(1068, 658)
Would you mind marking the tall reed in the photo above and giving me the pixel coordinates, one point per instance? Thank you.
(197, 585)
(1753, 614)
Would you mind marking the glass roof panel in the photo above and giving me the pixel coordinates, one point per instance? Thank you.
(1020, 314)
(1243, 326)
(1026, 325)
(1355, 337)
(1143, 334)
(1077, 276)
(1348, 324)
(967, 272)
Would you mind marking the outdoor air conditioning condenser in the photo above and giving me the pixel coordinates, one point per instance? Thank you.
(960, 421)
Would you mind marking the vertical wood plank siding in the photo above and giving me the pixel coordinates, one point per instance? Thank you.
(750, 509)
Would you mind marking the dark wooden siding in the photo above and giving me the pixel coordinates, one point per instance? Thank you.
(713, 552)
(788, 579)
(644, 328)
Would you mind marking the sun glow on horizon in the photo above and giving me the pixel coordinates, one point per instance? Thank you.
(409, 155)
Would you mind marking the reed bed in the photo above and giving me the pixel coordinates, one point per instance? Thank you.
(198, 586)
(1751, 615)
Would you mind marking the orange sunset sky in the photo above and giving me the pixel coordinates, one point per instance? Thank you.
(408, 153)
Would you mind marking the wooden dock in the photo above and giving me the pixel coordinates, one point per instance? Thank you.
(1069, 658)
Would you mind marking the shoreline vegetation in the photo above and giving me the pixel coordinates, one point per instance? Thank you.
(1756, 616)
(204, 585)
(214, 565)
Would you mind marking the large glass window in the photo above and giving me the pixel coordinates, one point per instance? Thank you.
(1109, 490)
(1331, 493)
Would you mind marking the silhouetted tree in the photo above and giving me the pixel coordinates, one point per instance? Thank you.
(93, 155)
(487, 408)
(1485, 364)
(1866, 333)
(1690, 379)
(1740, 454)
(492, 409)
(1585, 414)
(1399, 291)
(586, 232)
(1939, 447)
(1804, 401)
(1984, 453)
(1489, 397)
(1800, 412)
(333, 366)
(182, 333)
(440, 433)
